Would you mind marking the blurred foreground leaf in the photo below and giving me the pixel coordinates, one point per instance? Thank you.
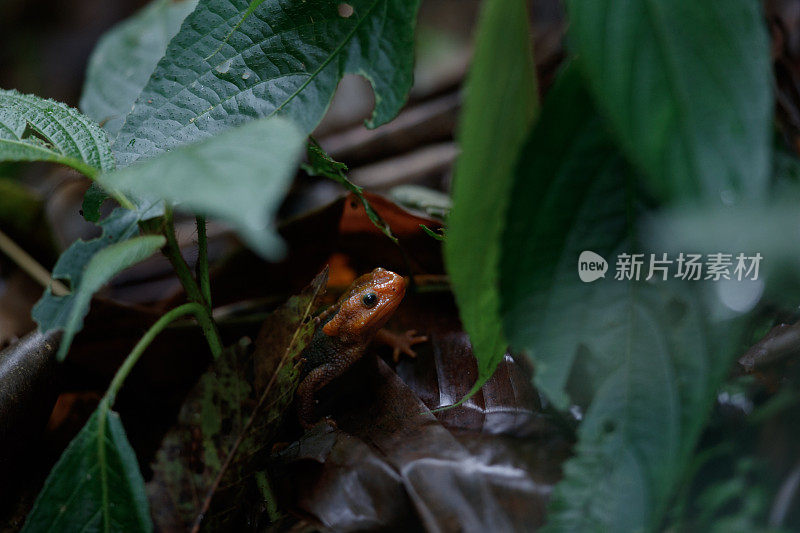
(686, 86)
(639, 358)
(748, 229)
(501, 100)
(239, 176)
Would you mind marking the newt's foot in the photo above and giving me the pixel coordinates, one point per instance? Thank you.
(278, 447)
(402, 342)
(324, 421)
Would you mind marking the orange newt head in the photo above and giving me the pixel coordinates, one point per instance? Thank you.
(366, 306)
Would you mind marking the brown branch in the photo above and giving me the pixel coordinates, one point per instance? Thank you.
(782, 342)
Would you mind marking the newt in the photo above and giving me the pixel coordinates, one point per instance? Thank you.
(345, 330)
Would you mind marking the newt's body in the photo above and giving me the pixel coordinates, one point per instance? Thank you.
(345, 330)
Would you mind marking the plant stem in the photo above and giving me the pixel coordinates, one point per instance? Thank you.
(173, 253)
(32, 267)
(123, 200)
(269, 496)
(119, 378)
(202, 259)
(92, 173)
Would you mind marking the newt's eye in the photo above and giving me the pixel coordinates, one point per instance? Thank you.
(370, 299)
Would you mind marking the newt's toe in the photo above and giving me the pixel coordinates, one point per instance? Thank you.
(405, 341)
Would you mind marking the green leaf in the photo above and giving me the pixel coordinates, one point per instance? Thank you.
(95, 485)
(35, 129)
(500, 103)
(233, 411)
(321, 164)
(641, 358)
(224, 68)
(686, 86)
(428, 231)
(555, 179)
(92, 202)
(124, 58)
(239, 176)
(86, 267)
(648, 364)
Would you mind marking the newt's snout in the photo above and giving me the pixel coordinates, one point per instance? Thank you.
(369, 303)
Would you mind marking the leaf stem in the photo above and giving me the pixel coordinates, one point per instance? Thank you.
(119, 378)
(122, 200)
(202, 259)
(173, 252)
(31, 267)
(91, 172)
(76, 164)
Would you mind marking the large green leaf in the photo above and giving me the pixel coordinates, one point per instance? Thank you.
(233, 413)
(554, 180)
(639, 357)
(500, 103)
(35, 129)
(95, 485)
(124, 58)
(686, 86)
(239, 176)
(228, 65)
(86, 267)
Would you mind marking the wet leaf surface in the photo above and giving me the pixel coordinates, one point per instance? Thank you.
(125, 56)
(391, 463)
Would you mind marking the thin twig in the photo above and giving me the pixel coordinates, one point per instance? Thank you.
(32, 267)
(417, 126)
(406, 168)
(786, 495)
(202, 260)
(780, 343)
